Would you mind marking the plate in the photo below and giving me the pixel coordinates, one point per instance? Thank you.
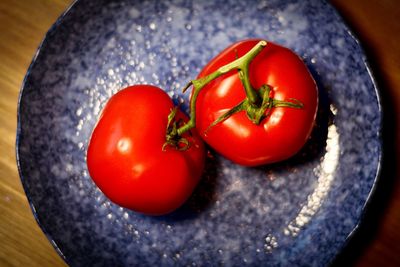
(296, 213)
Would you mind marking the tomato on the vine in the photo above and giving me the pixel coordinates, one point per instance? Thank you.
(283, 130)
(128, 157)
(255, 103)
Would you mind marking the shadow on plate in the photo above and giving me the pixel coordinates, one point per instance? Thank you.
(315, 146)
(202, 197)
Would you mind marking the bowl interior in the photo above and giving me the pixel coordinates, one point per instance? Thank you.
(299, 212)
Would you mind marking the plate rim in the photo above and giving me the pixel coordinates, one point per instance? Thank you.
(378, 94)
(366, 62)
(44, 40)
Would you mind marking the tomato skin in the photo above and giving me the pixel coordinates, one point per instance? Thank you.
(125, 157)
(279, 136)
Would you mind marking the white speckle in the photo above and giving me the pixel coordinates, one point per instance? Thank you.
(220, 25)
(148, 44)
(262, 5)
(174, 61)
(326, 176)
(134, 13)
(293, 23)
(236, 186)
(141, 65)
(111, 43)
(69, 167)
(339, 42)
(188, 26)
(270, 243)
(152, 26)
(179, 14)
(100, 81)
(286, 231)
(220, 39)
(110, 72)
(152, 56)
(333, 109)
(80, 125)
(155, 76)
(79, 111)
(201, 234)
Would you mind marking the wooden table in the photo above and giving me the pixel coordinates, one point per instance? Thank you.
(23, 24)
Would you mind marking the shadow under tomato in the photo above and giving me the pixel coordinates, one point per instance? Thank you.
(316, 144)
(204, 194)
(202, 197)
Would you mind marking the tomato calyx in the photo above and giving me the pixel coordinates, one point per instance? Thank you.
(172, 137)
(256, 113)
(174, 131)
(257, 104)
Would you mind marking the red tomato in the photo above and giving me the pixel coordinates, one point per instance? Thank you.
(126, 159)
(281, 134)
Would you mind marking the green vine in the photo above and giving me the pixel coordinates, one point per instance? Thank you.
(257, 104)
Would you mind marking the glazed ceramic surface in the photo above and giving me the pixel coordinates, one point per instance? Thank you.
(296, 213)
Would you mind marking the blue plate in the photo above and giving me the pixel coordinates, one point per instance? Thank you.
(296, 213)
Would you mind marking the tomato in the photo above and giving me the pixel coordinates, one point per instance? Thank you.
(283, 131)
(127, 157)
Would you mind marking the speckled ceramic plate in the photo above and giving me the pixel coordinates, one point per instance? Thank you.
(296, 213)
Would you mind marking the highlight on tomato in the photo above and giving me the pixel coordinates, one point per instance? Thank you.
(254, 103)
(257, 103)
(136, 157)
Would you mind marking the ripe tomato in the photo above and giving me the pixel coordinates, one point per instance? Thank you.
(126, 158)
(283, 132)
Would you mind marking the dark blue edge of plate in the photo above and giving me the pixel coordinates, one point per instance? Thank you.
(378, 173)
(36, 55)
(348, 30)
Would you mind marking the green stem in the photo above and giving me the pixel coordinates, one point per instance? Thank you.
(251, 94)
(242, 65)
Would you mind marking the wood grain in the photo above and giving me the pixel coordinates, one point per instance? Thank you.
(22, 27)
(24, 23)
